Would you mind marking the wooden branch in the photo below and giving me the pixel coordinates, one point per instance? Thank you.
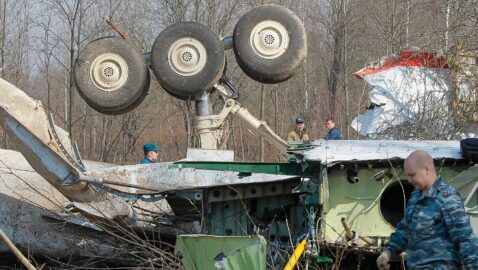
(17, 252)
(116, 28)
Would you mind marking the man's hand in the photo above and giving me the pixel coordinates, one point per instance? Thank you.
(383, 260)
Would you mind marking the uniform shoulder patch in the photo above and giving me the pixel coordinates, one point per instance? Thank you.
(447, 190)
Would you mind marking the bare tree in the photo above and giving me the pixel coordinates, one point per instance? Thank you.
(343, 35)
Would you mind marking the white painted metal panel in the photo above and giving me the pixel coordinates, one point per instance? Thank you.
(331, 151)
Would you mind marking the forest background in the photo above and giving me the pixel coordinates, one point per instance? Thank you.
(39, 41)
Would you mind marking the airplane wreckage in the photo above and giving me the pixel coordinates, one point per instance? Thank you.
(330, 197)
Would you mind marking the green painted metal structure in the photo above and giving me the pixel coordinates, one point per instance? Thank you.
(369, 197)
(205, 252)
(247, 168)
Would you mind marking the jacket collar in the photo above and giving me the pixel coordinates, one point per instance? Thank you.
(433, 189)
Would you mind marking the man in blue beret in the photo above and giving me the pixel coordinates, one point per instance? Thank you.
(150, 153)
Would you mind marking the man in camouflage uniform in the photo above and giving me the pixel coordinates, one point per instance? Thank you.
(435, 230)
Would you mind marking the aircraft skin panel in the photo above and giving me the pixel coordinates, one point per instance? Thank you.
(334, 151)
(34, 219)
(163, 178)
(372, 201)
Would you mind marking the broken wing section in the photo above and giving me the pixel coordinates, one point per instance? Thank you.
(34, 218)
(38, 139)
(26, 123)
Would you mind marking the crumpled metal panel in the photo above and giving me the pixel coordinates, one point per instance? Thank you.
(251, 257)
(109, 209)
(331, 152)
(163, 178)
(206, 252)
(33, 217)
(465, 181)
(27, 125)
(39, 140)
(402, 84)
(41, 232)
(473, 213)
(27, 111)
(19, 180)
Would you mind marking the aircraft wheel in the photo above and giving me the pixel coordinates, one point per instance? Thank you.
(140, 99)
(111, 75)
(187, 59)
(270, 43)
(469, 149)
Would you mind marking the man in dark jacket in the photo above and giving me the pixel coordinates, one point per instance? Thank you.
(334, 133)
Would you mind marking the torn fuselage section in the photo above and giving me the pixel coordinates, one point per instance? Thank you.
(351, 195)
(410, 90)
(35, 220)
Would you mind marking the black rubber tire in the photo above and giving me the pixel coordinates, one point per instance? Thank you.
(270, 70)
(180, 86)
(176, 95)
(469, 149)
(139, 100)
(129, 94)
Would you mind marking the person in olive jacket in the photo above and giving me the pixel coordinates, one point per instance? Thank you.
(298, 134)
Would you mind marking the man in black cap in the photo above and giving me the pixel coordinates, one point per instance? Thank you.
(150, 153)
(299, 133)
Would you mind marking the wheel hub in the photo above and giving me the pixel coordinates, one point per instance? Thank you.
(269, 39)
(187, 56)
(109, 71)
